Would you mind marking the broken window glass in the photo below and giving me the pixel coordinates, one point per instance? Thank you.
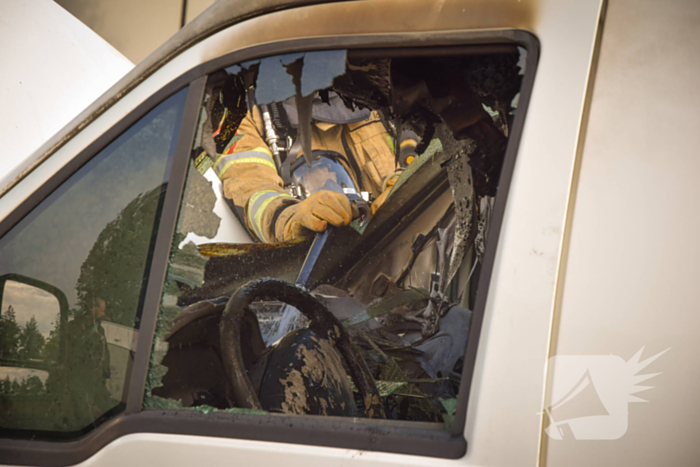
(342, 200)
(73, 274)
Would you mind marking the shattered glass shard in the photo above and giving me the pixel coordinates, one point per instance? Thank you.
(316, 71)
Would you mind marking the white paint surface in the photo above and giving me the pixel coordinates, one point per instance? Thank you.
(503, 424)
(175, 450)
(53, 66)
(633, 266)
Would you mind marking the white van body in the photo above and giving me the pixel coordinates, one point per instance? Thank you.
(597, 256)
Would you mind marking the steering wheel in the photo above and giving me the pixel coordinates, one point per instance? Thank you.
(322, 322)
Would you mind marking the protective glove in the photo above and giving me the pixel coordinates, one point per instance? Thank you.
(316, 212)
(388, 185)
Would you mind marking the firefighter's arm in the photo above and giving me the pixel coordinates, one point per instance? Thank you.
(273, 215)
(250, 178)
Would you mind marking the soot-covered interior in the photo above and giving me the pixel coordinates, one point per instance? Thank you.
(377, 323)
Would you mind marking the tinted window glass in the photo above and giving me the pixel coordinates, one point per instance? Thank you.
(73, 276)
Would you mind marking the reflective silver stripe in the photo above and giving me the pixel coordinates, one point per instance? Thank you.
(254, 156)
(256, 206)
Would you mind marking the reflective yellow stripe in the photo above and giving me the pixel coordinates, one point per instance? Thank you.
(391, 143)
(256, 207)
(249, 153)
(255, 156)
(262, 149)
(408, 142)
(254, 160)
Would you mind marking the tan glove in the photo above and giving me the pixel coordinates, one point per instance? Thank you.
(388, 185)
(315, 213)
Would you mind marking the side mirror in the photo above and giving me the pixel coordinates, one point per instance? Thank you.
(33, 315)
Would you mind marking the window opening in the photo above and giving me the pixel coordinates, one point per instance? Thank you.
(356, 188)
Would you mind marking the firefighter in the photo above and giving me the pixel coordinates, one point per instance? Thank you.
(252, 180)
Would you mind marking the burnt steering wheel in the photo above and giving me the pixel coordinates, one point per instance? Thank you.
(236, 316)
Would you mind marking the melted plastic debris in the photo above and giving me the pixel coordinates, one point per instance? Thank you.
(459, 174)
(496, 78)
(482, 229)
(366, 83)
